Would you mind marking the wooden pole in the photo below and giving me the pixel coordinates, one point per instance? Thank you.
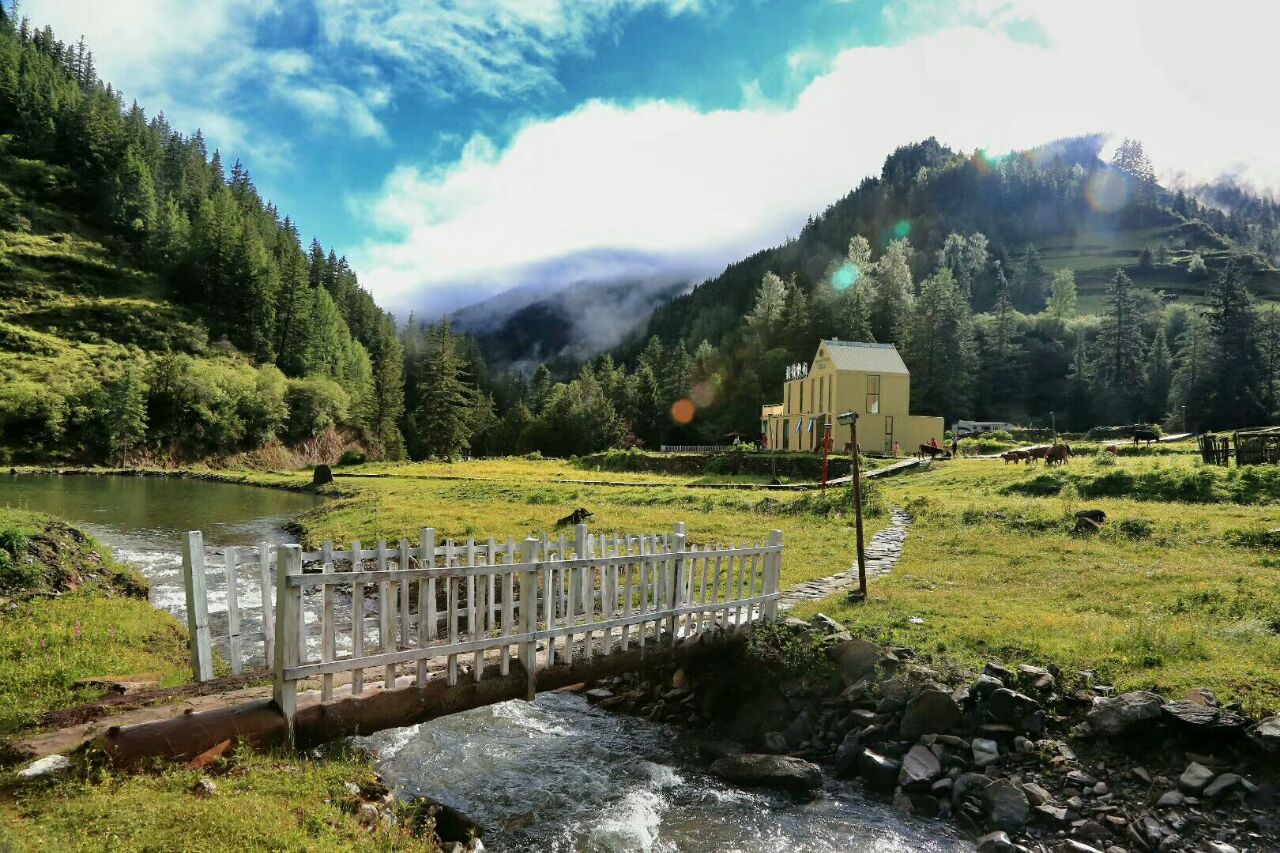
(857, 512)
(288, 615)
(197, 606)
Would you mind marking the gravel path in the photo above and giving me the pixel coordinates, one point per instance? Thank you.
(882, 553)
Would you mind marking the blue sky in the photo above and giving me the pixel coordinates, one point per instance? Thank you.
(456, 149)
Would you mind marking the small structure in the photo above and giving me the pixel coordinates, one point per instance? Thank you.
(1251, 447)
(964, 429)
(870, 379)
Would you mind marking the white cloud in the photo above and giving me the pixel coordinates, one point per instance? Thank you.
(492, 47)
(667, 180)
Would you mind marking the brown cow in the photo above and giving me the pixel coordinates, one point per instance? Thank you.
(1112, 449)
(1008, 457)
(932, 452)
(1058, 454)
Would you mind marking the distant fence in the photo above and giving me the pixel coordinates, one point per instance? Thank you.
(1261, 447)
(442, 601)
(697, 448)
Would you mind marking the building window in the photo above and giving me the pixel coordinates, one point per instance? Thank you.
(873, 395)
(822, 393)
(786, 434)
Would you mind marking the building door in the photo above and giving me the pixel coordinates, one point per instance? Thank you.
(888, 433)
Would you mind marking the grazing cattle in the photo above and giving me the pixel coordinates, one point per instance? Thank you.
(1112, 449)
(1097, 516)
(578, 516)
(1144, 435)
(1009, 456)
(1059, 454)
(932, 452)
(1038, 452)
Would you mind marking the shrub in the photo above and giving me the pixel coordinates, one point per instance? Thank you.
(352, 457)
(315, 404)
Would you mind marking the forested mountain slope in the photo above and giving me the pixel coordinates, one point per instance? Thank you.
(153, 305)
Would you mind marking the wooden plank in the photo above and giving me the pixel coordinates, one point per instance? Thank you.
(508, 605)
(288, 611)
(425, 601)
(478, 606)
(268, 621)
(233, 609)
(529, 617)
(715, 585)
(588, 598)
(385, 640)
(773, 576)
(193, 571)
(357, 623)
(549, 595)
(628, 570)
(491, 559)
(328, 645)
(402, 561)
(451, 617)
(676, 600)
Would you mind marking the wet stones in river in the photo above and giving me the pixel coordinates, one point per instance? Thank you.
(1118, 714)
(771, 771)
(920, 767)
(879, 772)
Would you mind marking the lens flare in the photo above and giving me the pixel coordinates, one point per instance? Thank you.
(901, 229)
(1107, 191)
(846, 277)
(704, 393)
(682, 411)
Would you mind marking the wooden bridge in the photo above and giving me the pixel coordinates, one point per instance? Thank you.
(452, 626)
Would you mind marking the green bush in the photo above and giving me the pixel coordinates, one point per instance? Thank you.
(314, 405)
(352, 457)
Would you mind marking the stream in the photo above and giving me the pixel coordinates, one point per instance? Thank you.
(553, 775)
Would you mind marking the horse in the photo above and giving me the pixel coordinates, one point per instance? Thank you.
(932, 452)
(1059, 454)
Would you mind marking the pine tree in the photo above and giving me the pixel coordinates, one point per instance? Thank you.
(1234, 366)
(966, 257)
(940, 350)
(1062, 296)
(1079, 395)
(1269, 347)
(1162, 253)
(1029, 292)
(891, 293)
(1119, 369)
(388, 401)
(765, 320)
(1159, 377)
(444, 417)
(1190, 393)
(1001, 352)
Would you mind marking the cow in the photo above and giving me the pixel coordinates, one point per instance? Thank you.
(1038, 452)
(1009, 456)
(1112, 449)
(1146, 435)
(578, 516)
(932, 452)
(1059, 454)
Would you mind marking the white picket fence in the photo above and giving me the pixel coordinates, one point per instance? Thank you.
(695, 448)
(577, 596)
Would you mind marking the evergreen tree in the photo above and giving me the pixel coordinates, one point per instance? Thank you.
(1001, 353)
(1235, 377)
(1079, 392)
(1190, 392)
(388, 401)
(1159, 378)
(1269, 348)
(1196, 269)
(966, 257)
(940, 350)
(765, 320)
(125, 413)
(1162, 253)
(891, 293)
(1029, 290)
(1119, 368)
(444, 417)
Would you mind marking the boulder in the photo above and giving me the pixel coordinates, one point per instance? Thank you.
(967, 785)
(985, 752)
(1223, 784)
(322, 475)
(994, 670)
(1194, 779)
(1115, 715)
(451, 825)
(1052, 815)
(45, 766)
(919, 768)
(1005, 806)
(857, 659)
(826, 624)
(598, 694)
(1268, 734)
(1035, 677)
(775, 741)
(847, 755)
(1170, 799)
(932, 712)
(879, 772)
(1203, 717)
(984, 686)
(995, 842)
(1011, 707)
(1036, 794)
(774, 771)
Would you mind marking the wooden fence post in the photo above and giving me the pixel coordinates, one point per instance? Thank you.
(675, 598)
(529, 615)
(426, 599)
(266, 585)
(288, 615)
(230, 556)
(773, 577)
(197, 606)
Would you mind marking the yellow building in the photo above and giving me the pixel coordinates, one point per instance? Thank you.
(870, 379)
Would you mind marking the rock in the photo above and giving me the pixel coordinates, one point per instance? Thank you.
(1115, 715)
(1201, 697)
(1035, 677)
(1036, 795)
(322, 475)
(779, 771)
(1081, 779)
(775, 741)
(1221, 785)
(1268, 734)
(919, 768)
(826, 624)
(1006, 807)
(925, 805)
(44, 766)
(879, 773)
(1012, 708)
(995, 842)
(124, 685)
(204, 788)
(1052, 815)
(680, 679)
(1202, 717)
(1092, 831)
(967, 785)
(994, 670)
(857, 659)
(1194, 779)
(713, 749)
(1073, 846)
(985, 752)
(984, 686)
(932, 712)
(1221, 847)
(598, 694)
(1023, 746)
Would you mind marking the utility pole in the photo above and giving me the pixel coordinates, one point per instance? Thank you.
(851, 418)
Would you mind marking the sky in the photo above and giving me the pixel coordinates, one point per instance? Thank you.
(453, 150)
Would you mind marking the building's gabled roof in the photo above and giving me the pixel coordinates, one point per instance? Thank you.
(868, 358)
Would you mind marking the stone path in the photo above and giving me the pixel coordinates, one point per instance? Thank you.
(882, 553)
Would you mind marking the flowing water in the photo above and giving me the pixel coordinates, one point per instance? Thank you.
(554, 775)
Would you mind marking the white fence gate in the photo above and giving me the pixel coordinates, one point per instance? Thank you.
(433, 601)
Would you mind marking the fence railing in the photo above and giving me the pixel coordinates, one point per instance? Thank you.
(695, 448)
(471, 602)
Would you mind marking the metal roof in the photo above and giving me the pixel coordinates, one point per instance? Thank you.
(867, 358)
